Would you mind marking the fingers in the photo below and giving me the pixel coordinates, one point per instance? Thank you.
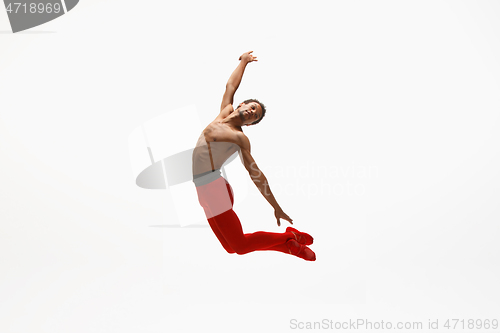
(251, 58)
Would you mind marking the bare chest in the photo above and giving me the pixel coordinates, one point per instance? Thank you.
(219, 132)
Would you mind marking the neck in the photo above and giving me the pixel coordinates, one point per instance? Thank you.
(234, 120)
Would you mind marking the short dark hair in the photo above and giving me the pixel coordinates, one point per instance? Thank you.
(263, 107)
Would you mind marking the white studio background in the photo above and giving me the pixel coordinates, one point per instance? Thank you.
(380, 140)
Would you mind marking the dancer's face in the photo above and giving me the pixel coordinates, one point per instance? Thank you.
(250, 112)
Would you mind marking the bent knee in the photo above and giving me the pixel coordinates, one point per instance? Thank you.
(240, 251)
(228, 249)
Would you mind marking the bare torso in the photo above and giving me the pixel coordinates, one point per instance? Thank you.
(216, 144)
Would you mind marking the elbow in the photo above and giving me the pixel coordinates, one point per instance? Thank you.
(258, 178)
(254, 172)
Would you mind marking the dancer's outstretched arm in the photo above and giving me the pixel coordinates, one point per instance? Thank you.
(235, 79)
(260, 180)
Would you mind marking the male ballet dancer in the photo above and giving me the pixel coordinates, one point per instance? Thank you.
(218, 141)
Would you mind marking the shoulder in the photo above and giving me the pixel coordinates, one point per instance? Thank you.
(226, 111)
(243, 141)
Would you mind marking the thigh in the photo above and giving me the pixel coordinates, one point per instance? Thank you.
(219, 235)
(215, 197)
(229, 225)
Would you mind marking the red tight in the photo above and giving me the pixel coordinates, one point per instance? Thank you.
(227, 227)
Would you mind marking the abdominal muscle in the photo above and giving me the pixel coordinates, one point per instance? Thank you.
(210, 155)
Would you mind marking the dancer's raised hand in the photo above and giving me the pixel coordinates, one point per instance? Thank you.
(279, 214)
(248, 57)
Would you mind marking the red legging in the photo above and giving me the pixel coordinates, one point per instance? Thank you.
(227, 227)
